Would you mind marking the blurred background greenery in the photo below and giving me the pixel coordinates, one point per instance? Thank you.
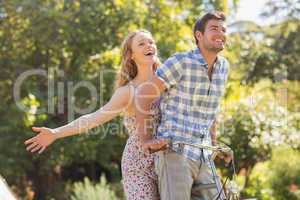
(76, 40)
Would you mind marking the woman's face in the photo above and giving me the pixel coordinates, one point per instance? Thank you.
(144, 51)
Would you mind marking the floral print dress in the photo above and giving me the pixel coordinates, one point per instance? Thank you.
(139, 178)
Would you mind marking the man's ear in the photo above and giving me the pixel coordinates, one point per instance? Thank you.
(198, 35)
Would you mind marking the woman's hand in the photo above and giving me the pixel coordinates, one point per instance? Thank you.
(41, 141)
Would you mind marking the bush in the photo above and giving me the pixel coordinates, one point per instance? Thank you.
(278, 178)
(86, 190)
(285, 177)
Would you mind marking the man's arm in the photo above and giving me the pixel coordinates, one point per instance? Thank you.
(145, 96)
(166, 76)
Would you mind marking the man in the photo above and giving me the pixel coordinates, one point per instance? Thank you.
(191, 85)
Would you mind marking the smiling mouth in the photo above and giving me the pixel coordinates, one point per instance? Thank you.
(149, 54)
(220, 41)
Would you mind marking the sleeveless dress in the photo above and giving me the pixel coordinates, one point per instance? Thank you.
(139, 178)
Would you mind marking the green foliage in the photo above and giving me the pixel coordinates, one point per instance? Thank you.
(254, 121)
(86, 190)
(259, 184)
(74, 41)
(263, 115)
(285, 178)
(278, 178)
(270, 51)
(80, 40)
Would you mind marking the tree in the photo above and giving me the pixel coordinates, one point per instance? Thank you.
(254, 121)
(68, 42)
(270, 51)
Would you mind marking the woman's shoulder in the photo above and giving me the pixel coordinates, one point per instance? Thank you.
(125, 94)
(125, 90)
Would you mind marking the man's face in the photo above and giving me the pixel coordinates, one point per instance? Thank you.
(214, 36)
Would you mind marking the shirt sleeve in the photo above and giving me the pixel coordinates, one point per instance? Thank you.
(171, 71)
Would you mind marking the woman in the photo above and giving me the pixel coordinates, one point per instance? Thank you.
(139, 61)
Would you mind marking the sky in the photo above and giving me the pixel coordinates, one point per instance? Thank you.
(250, 10)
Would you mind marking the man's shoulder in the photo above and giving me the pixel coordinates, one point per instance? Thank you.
(223, 60)
(180, 55)
(180, 58)
(224, 63)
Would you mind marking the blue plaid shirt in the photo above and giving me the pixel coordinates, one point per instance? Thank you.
(191, 101)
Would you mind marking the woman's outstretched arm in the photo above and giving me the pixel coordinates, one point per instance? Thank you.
(120, 100)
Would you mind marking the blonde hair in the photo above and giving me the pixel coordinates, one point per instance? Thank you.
(129, 68)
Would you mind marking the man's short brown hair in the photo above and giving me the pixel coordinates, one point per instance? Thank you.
(201, 22)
